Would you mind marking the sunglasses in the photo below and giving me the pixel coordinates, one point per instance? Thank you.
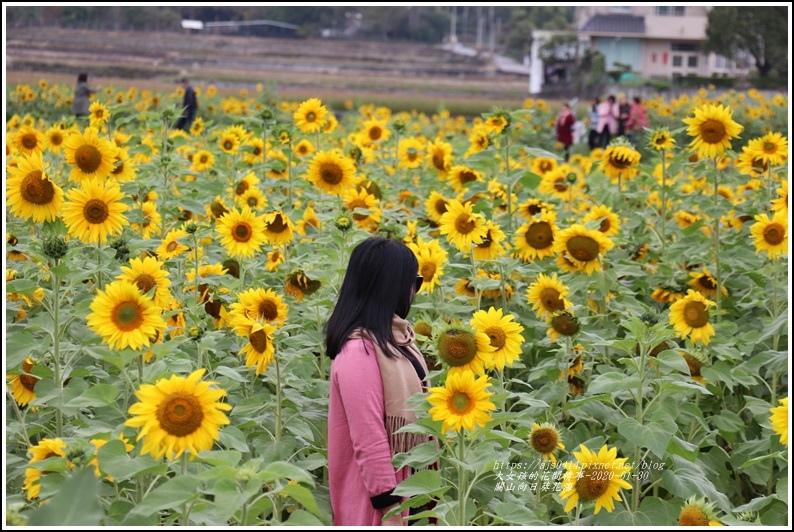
(418, 283)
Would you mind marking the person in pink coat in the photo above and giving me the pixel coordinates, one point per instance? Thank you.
(638, 119)
(375, 368)
(607, 120)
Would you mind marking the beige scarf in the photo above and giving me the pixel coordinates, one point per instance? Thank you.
(400, 382)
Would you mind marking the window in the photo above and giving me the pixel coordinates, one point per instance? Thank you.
(678, 60)
(721, 62)
(684, 47)
(667, 11)
(692, 61)
(620, 9)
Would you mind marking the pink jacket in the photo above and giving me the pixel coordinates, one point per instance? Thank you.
(607, 116)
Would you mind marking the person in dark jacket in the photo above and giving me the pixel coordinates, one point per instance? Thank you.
(82, 95)
(565, 122)
(189, 106)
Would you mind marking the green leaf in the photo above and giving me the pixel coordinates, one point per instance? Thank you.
(303, 496)
(21, 286)
(96, 395)
(303, 518)
(420, 483)
(604, 397)
(781, 492)
(74, 505)
(419, 456)
(18, 347)
(228, 499)
(232, 437)
(683, 448)
(654, 435)
(612, 382)
(530, 180)
(624, 518)
(278, 470)
(511, 513)
(759, 459)
(171, 494)
(674, 360)
(758, 503)
(216, 458)
(689, 477)
(113, 460)
(777, 326)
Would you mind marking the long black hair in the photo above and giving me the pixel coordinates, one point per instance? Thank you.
(377, 285)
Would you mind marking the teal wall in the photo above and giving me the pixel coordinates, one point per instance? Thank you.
(624, 50)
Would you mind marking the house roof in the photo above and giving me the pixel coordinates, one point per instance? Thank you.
(615, 23)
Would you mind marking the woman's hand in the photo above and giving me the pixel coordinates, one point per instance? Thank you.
(396, 519)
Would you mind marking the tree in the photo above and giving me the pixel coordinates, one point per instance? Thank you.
(524, 20)
(762, 32)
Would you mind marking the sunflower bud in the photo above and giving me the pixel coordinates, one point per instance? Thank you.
(55, 247)
(120, 245)
(355, 153)
(571, 178)
(191, 228)
(399, 126)
(194, 332)
(424, 329)
(168, 114)
(650, 318)
(284, 137)
(344, 222)
(266, 114)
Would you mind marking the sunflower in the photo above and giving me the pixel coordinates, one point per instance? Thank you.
(661, 139)
(439, 156)
(696, 512)
(532, 207)
(771, 235)
(562, 323)
(713, 128)
(253, 198)
(460, 176)
(259, 350)
(31, 194)
(574, 373)
(609, 222)
(53, 139)
(462, 402)
(202, 161)
(705, 283)
(464, 348)
(178, 414)
(620, 162)
(148, 274)
(547, 296)
(29, 140)
(46, 448)
(779, 420)
(479, 139)
(98, 114)
(309, 219)
(690, 317)
(497, 122)
(491, 247)
(299, 285)
(410, 152)
(197, 127)
(278, 228)
(94, 211)
(431, 257)
(369, 214)
(535, 239)
(462, 226)
(504, 334)
(545, 440)
(207, 274)
(596, 477)
(436, 206)
(304, 148)
(772, 148)
(543, 165)
(229, 142)
(242, 232)
(310, 116)
(123, 167)
(332, 172)
(151, 221)
(247, 181)
(584, 247)
(260, 305)
(124, 317)
(22, 385)
(781, 202)
(89, 155)
(668, 294)
(170, 247)
(375, 131)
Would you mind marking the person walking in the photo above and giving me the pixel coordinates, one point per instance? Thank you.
(375, 367)
(607, 121)
(638, 119)
(565, 123)
(189, 106)
(623, 116)
(82, 95)
(593, 137)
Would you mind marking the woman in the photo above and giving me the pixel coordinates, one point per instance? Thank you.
(82, 95)
(638, 119)
(592, 139)
(565, 122)
(375, 368)
(607, 121)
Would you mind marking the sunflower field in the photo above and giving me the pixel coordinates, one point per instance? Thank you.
(607, 336)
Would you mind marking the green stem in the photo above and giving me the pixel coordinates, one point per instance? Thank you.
(477, 292)
(462, 478)
(578, 512)
(717, 282)
(664, 206)
(56, 352)
(509, 189)
(185, 511)
(277, 435)
(20, 419)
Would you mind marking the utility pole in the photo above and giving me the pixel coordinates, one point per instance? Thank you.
(480, 24)
(453, 21)
(492, 38)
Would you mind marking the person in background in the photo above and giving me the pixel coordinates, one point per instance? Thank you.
(375, 368)
(607, 121)
(623, 116)
(593, 137)
(189, 106)
(638, 119)
(82, 95)
(565, 122)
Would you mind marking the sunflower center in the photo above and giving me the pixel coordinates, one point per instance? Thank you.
(356, 204)
(277, 225)
(228, 145)
(565, 324)
(268, 310)
(583, 248)
(546, 166)
(707, 282)
(217, 209)
(412, 155)
(375, 133)
(428, 271)
(544, 440)
(258, 340)
(712, 131)
(486, 241)
(467, 176)
(36, 189)
(180, 414)
(331, 174)
(661, 139)
(119, 168)
(56, 139)
(257, 151)
(28, 381)
(29, 141)
(127, 316)
(605, 225)
(145, 282)
(171, 246)
(242, 232)
(560, 185)
(464, 224)
(213, 308)
(441, 206)
(95, 211)
(696, 314)
(438, 161)
(457, 348)
(620, 161)
(692, 516)
(460, 403)
(311, 116)
(760, 164)
(534, 209)
(774, 234)
(770, 147)
(252, 201)
(497, 336)
(551, 300)
(87, 158)
(539, 235)
(593, 483)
